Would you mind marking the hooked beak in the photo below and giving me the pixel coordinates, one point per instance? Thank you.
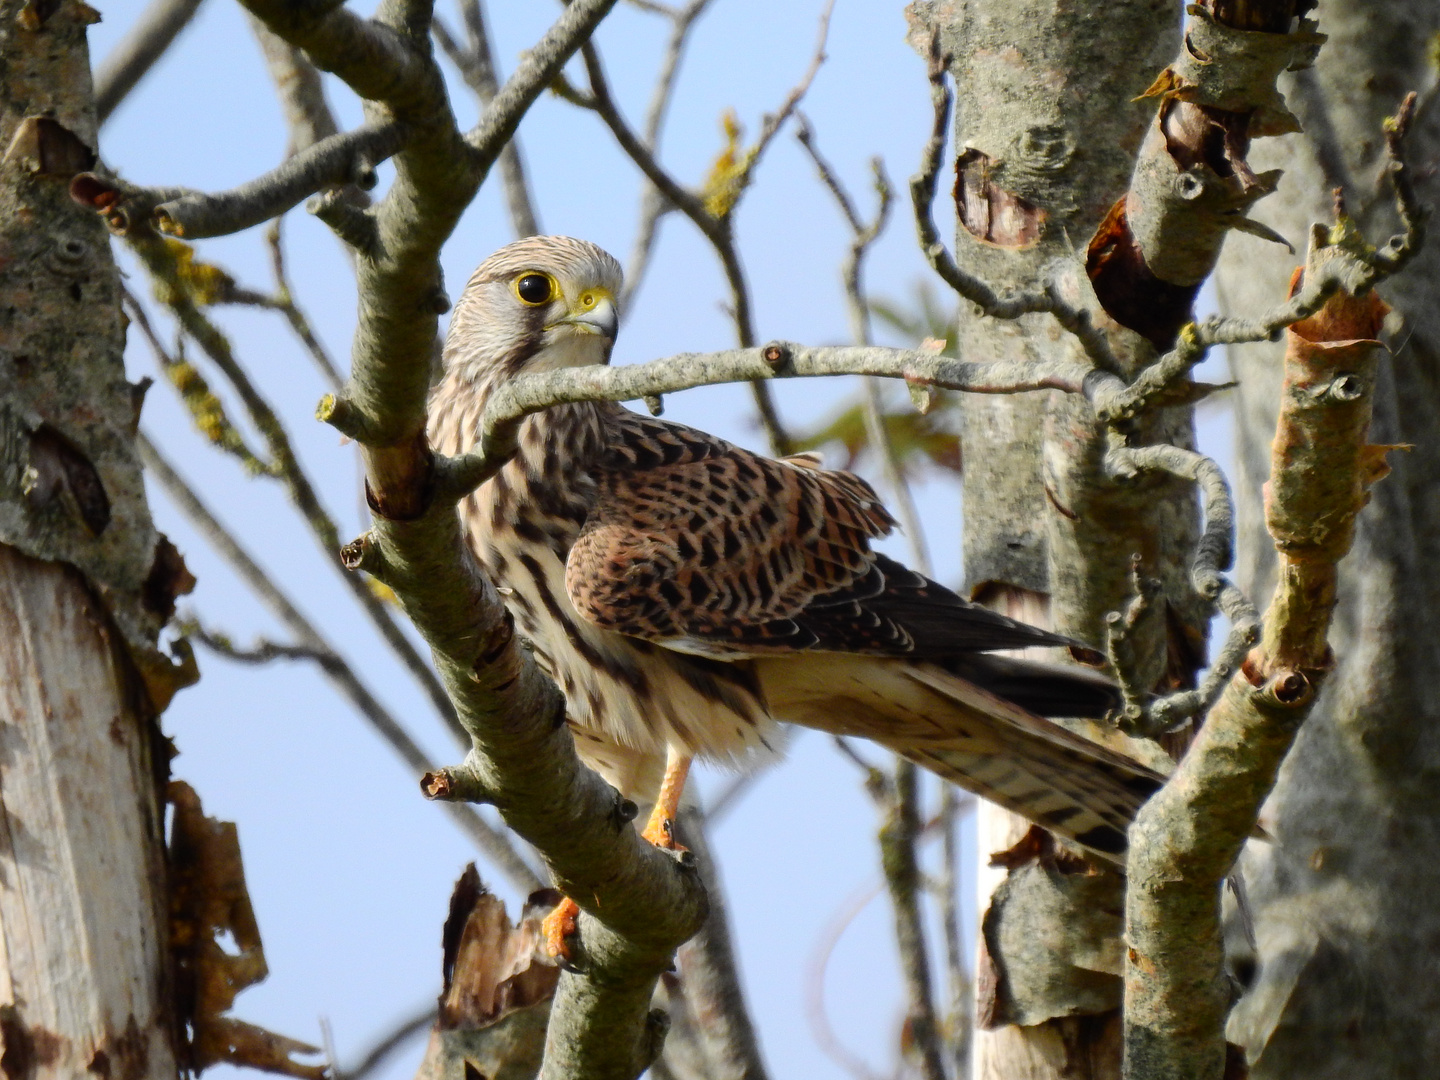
(595, 313)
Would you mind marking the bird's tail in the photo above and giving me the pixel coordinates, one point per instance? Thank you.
(976, 738)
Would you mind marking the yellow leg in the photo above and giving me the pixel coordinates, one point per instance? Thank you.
(660, 830)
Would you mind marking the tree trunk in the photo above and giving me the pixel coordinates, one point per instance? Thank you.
(85, 584)
(1345, 983)
(1046, 132)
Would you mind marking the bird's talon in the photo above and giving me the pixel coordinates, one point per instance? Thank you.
(661, 834)
(558, 927)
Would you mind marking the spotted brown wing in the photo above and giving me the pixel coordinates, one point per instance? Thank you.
(704, 547)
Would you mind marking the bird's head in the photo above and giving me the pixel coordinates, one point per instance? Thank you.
(539, 304)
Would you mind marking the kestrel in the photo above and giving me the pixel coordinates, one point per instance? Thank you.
(686, 594)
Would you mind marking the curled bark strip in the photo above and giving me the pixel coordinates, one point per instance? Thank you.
(46, 147)
(1338, 258)
(1176, 992)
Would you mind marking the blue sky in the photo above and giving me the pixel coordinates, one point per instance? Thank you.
(349, 869)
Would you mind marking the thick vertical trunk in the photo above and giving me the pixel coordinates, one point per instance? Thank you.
(83, 978)
(85, 583)
(1046, 131)
(1345, 916)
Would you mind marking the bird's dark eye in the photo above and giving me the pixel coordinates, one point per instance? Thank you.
(534, 289)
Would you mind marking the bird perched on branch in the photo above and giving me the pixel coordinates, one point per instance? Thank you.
(687, 594)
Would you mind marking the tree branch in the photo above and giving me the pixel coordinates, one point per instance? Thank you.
(1041, 297)
(136, 53)
(530, 393)
(1176, 992)
(347, 158)
(476, 65)
(493, 845)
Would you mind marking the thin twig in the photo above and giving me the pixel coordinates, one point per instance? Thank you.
(159, 259)
(815, 1012)
(713, 993)
(898, 835)
(495, 846)
(402, 1032)
(206, 410)
(653, 203)
(1042, 296)
(136, 53)
(958, 1025)
(284, 302)
(865, 234)
(714, 226)
(476, 64)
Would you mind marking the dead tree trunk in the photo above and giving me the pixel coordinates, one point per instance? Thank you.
(85, 584)
(1345, 980)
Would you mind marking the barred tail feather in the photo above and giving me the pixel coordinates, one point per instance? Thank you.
(971, 737)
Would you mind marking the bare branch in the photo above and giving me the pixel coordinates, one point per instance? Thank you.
(1213, 555)
(715, 228)
(1338, 259)
(711, 978)
(496, 847)
(898, 834)
(859, 309)
(284, 302)
(346, 158)
(477, 67)
(542, 64)
(815, 1012)
(531, 393)
(653, 203)
(775, 121)
(161, 260)
(958, 1025)
(136, 53)
(1186, 838)
(300, 88)
(1041, 297)
(206, 410)
(262, 651)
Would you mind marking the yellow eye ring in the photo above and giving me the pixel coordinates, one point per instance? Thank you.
(535, 289)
